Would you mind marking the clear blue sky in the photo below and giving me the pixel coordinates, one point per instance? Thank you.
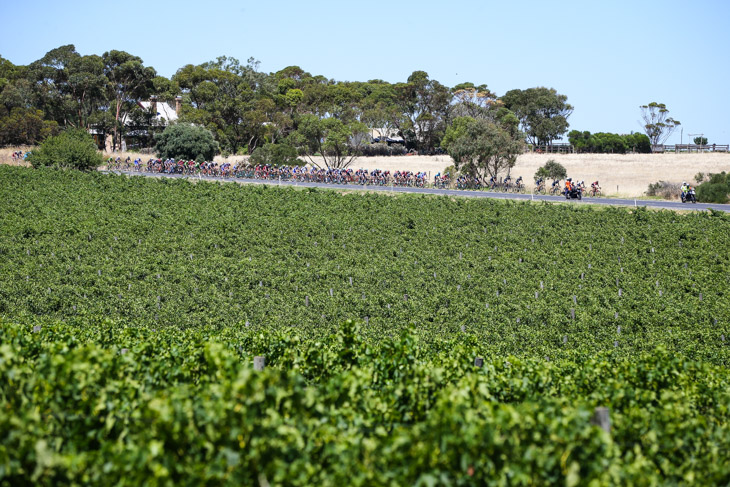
(608, 57)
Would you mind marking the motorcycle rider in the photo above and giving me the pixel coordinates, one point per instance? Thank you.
(568, 186)
(685, 190)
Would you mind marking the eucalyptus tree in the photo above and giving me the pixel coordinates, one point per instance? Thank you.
(474, 101)
(337, 143)
(482, 148)
(543, 113)
(658, 125)
(424, 107)
(128, 81)
(69, 87)
(225, 97)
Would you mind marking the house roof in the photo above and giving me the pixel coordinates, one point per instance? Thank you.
(389, 135)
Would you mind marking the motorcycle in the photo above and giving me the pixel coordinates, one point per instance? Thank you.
(689, 196)
(574, 193)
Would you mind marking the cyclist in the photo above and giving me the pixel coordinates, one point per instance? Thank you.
(507, 181)
(518, 183)
(539, 185)
(595, 188)
(568, 185)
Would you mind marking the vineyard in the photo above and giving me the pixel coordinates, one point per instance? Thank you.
(408, 340)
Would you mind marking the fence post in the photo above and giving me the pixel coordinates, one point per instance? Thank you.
(602, 418)
(259, 362)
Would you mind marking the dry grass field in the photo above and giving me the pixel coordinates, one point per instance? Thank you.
(627, 175)
(619, 175)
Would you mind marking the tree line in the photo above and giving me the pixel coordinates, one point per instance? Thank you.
(246, 108)
(322, 120)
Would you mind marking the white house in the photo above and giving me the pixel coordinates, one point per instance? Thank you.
(386, 135)
(165, 113)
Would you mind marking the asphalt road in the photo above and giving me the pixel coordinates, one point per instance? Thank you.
(666, 205)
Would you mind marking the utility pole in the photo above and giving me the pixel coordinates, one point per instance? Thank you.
(696, 135)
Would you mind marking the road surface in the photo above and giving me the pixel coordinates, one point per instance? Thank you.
(659, 204)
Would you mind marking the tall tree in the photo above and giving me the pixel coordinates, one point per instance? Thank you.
(424, 104)
(25, 126)
(543, 113)
(473, 101)
(18, 93)
(8, 72)
(128, 81)
(50, 76)
(85, 87)
(69, 86)
(484, 148)
(378, 107)
(337, 142)
(658, 125)
(224, 96)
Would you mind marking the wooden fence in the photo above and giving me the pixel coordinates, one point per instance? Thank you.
(566, 148)
(660, 149)
(557, 148)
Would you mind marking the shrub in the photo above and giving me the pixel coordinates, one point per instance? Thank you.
(72, 149)
(608, 143)
(383, 150)
(604, 142)
(276, 155)
(184, 141)
(551, 170)
(638, 143)
(25, 126)
(716, 190)
(664, 189)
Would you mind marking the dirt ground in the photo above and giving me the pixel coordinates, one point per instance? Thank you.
(6, 155)
(619, 175)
